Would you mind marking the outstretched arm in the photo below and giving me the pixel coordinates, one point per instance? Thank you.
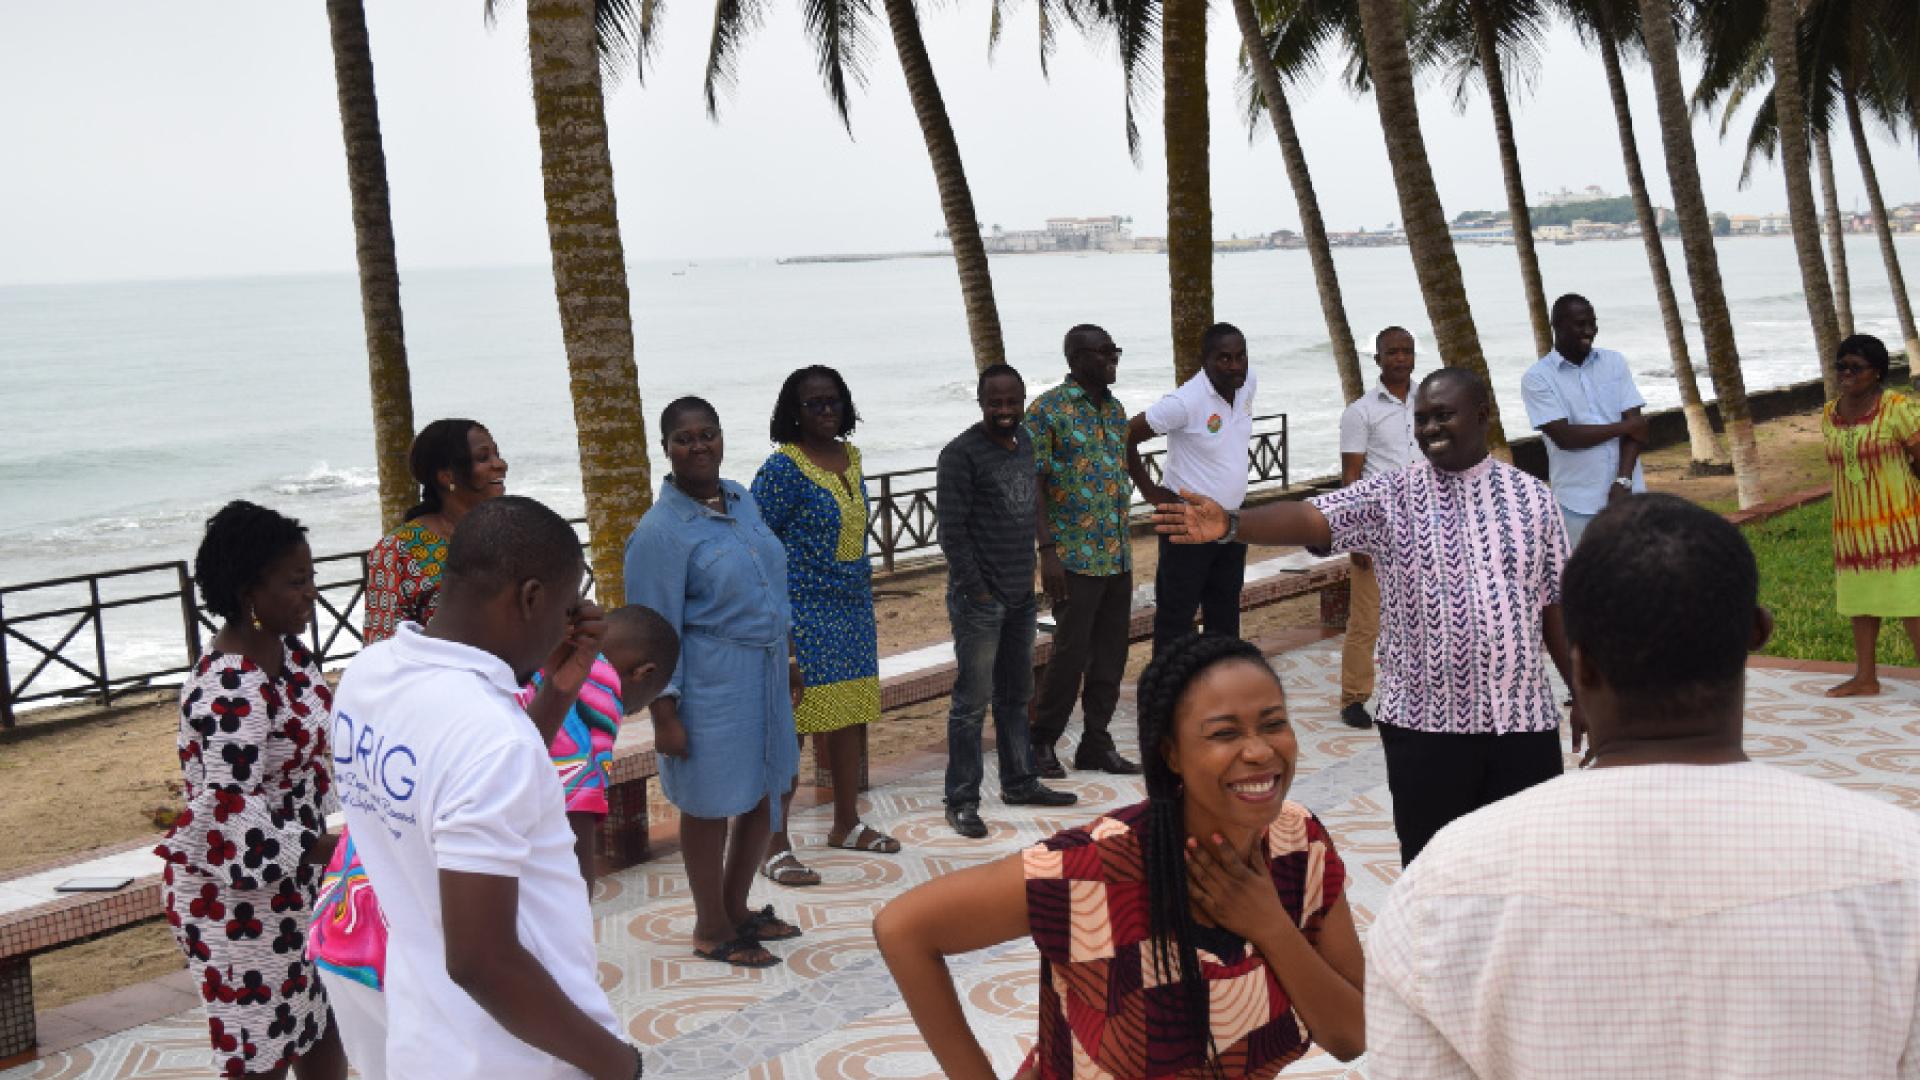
(918, 931)
(1139, 431)
(1200, 520)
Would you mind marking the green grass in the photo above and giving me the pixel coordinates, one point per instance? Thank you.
(1795, 554)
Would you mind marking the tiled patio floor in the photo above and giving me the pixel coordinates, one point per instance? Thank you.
(832, 1012)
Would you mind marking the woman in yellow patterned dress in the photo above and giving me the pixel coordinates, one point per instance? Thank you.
(1873, 448)
(813, 496)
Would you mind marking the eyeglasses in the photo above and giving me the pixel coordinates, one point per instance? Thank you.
(1851, 369)
(1112, 351)
(823, 404)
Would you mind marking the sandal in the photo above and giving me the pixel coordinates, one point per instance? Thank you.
(729, 953)
(864, 837)
(759, 927)
(785, 868)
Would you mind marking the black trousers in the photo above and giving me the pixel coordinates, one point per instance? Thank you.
(1197, 577)
(1435, 778)
(1090, 648)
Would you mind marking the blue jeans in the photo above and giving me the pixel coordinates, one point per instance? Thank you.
(1577, 523)
(993, 643)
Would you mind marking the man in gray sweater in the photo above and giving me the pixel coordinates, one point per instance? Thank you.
(986, 495)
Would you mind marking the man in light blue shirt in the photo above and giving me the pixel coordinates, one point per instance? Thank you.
(1583, 401)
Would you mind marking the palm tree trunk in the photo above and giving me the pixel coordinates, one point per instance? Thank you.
(387, 378)
(1877, 207)
(590, 281)
(950, 175)
(1696, 233)
(1346, 358)
(1183, 67)
(1517, 212)
(1790, 110)
(1836, 236)
(1700, 438)
(1431, 244)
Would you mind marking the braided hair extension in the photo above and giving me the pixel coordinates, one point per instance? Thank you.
(241, 541)
(440, 445)
(1168, 902)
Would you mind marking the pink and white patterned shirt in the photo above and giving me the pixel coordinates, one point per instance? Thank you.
(1467, 561)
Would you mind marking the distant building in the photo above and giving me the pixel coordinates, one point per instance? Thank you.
(1590, 193)
(1109, 233)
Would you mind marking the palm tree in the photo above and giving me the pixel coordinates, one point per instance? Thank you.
(1441, 287)
(1489, 37)
(1269, 95)
(1790, 109)
(590, 275)
(1891, 54)
(1836, 234)
(840, 36)
(1611, 24)
(1183, 71)
(373, 248)
(1696, 233)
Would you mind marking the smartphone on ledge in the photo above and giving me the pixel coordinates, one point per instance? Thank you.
(93, 884)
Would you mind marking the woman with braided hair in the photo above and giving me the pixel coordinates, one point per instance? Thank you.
(1203, 933)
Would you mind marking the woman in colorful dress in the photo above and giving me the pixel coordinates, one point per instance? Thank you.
(813, 495)
(458, 466)
(723, 727)
(1873, 449)
(1203, 933)
(243, 858)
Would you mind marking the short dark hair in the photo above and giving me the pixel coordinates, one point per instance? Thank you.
(1071, 341)
(507, 540)
(647, 630)
(785, 425)
(240, 542)
(440, 445)
(1213, 335)
(1475, 385)
(1660, 597)
(1560, 305)
(680, 406)
(1382, 336)
(1868, 348)
(994, 371)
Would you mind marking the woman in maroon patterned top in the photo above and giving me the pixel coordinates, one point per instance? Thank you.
(1204, 933)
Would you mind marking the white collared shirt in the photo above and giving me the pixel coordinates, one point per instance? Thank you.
(1207, 438)
(438, 768)
(1380, 426)
(1655, 921)
(1597, 391)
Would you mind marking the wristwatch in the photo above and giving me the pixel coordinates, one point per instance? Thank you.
(1233, 527)
(1624, 482)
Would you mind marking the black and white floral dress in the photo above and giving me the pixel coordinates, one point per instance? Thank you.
(253, 755)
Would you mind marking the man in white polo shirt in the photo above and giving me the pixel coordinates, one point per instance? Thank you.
(1376, 436)
(1208, 422)
(461, 824)
(1583, 400)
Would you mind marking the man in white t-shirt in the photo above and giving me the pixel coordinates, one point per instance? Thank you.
(1376, 436)
(1674, 909)
(1208, 422)
(460, 821)
(1583, 401)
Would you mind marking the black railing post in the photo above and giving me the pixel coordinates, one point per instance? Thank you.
(1285, 480)
(886, 521)
(189, 613)
(100, 641)
(6, 680)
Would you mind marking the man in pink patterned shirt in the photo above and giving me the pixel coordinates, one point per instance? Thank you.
(1469, 551)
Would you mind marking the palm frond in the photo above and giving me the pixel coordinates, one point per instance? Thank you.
(733, 22)
(626, 32)
(1763, 139)
(841, 38)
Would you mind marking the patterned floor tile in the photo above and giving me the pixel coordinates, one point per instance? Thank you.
(832, 1013)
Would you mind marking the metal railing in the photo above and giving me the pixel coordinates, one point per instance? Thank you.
(54, 635)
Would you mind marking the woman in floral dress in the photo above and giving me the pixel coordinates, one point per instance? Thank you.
(813, 496)
(1873, 448)
(243, 858)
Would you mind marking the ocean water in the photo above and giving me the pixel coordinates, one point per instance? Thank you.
(130, 411)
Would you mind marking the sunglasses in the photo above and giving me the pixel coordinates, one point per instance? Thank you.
(1851, 369)
(823, 404)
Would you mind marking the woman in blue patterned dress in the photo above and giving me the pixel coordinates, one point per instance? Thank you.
(812, 494)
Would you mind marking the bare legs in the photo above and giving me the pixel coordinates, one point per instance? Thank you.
(325, 1060)
(721, 855)
(1866, 638)
(841, 752)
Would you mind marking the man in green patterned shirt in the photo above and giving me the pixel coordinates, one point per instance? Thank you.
(1079, 437)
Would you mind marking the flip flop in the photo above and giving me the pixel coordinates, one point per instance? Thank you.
(864, 837)
(785, 868)
(755, 928)
(729, 952)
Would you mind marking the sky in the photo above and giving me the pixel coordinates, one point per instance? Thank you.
(151, 140)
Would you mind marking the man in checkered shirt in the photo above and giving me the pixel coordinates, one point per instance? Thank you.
(1675, 909)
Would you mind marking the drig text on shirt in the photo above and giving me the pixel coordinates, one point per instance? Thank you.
(370, 774)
